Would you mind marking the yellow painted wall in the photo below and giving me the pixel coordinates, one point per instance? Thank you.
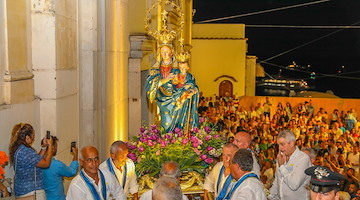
(212, 58)
(137, 11)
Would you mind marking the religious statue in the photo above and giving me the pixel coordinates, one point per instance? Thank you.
(175, 91)
(188, 97)
(171, 86)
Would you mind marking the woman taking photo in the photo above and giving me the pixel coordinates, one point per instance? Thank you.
(27, 163)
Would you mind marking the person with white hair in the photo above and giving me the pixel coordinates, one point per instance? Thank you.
(167, 188)
(168, 169)
(290, 179)
(123, 168)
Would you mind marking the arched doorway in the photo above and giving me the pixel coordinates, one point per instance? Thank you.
(225, 87)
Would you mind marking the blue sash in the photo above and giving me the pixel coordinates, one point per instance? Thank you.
(92, 188)
(222, 194)
(228, 196)
(111, 169)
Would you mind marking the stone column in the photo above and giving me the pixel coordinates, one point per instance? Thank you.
(88, 76)
(18, 80)
(141, 53)
(250, 76)
(55, 63)
(116, 70)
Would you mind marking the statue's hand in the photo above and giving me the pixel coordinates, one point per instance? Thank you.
(187, 87)
(171, 76)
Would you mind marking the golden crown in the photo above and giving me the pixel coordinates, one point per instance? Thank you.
(183, 56)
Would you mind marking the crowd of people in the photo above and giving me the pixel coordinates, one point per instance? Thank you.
(293, 153)
(330, 140)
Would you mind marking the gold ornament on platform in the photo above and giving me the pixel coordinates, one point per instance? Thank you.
(190, 183)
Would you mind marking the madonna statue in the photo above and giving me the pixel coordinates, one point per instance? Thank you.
(175, 92)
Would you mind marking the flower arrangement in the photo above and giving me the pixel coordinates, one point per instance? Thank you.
(193, 152)
(3, 160)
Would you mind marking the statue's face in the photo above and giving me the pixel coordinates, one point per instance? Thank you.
(166, 53)
(183, 67)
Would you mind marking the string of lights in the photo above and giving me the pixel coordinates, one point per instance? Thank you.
(301, 26)
(318, 75)
(310, 42)
(262, 12)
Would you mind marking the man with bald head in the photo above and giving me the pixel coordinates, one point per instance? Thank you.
(243, 141)
(93, 183)
(169, 169)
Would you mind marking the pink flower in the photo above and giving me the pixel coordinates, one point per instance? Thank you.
(208, 137)
(207, 129)
(195, 129)
(141, 149)
(195, 144)
(209, 148)
(142, 129)
(185, 141)
(177, 130)
(132, 156)
(197, 151)
(203, 156)
(173, 141)
(150, 143)
(216, 136)
(201, 120)
(208, 160)
(162, 144)
(157, 153)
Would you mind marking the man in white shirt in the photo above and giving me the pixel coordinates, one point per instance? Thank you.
(122, 168)
(219, 175)
(247, 185)
(168, 169)
(243, 140)
(290, 179)
(93, 183)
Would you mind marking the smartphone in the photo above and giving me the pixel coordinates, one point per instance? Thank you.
(48, 135)
(73, 144)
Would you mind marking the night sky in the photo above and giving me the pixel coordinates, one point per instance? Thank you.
(325, 56)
